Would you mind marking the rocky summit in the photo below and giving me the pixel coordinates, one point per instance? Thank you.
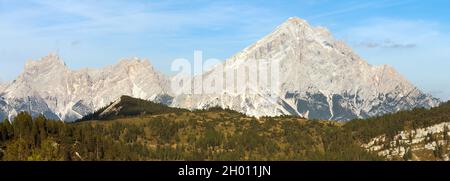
(319, 78)
(48, 87)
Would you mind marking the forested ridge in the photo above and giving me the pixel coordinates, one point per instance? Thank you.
(214, 134)
(129, 107)
(392, 124)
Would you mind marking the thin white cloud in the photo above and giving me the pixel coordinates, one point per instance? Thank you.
(359, 6)
(125, 17)
(385, 44)
(34, 29)
(104, 27)
(393, 33)
(416, 48)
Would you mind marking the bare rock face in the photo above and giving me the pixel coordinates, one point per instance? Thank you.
(48, 87)
(319, 78)
(429, 143)
(2, 86)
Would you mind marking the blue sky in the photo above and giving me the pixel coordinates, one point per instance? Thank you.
(410, 35)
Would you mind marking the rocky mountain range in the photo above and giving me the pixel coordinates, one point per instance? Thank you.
(319, 78)
(49, 87)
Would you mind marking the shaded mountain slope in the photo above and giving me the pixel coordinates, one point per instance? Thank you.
(127, 106)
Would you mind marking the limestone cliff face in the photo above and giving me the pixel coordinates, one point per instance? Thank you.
(319, 78)
(430, 143)
(48, 87)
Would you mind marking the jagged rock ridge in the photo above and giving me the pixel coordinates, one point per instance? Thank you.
(48, 87)
(320, 78)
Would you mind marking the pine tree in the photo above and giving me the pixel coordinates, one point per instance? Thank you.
(446, 133)
(9, 129)
(408, 155)
(22, 124)
(3, 132)
(41, 124)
